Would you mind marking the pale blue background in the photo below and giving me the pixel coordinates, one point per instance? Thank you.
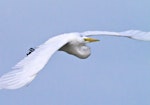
(117, 72)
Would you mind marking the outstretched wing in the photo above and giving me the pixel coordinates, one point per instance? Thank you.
(26, 70)
(134, 34)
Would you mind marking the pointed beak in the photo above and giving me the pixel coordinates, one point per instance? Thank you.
(91, 39)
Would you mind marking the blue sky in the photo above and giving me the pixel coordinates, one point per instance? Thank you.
(117, 72)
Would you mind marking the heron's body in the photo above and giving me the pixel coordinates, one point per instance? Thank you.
(72, 43)
(77, 48)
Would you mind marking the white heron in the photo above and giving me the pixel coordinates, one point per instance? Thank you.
(72, 43)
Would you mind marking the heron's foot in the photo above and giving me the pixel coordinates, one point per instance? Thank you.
(30, 51)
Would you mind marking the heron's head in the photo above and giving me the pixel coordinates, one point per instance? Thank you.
(89, 40)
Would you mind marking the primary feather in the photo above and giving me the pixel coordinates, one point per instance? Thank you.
(26, 70)
(133, 34)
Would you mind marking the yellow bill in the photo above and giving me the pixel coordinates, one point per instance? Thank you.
(91, 39)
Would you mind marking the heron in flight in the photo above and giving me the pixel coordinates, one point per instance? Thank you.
(72, 43)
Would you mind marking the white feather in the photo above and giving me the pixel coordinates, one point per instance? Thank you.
(26, 70)
(134, 34)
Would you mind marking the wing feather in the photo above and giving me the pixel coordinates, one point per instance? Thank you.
(133, 34)
(26, 70)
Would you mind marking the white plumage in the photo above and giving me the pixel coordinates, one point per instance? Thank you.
(73, 43)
